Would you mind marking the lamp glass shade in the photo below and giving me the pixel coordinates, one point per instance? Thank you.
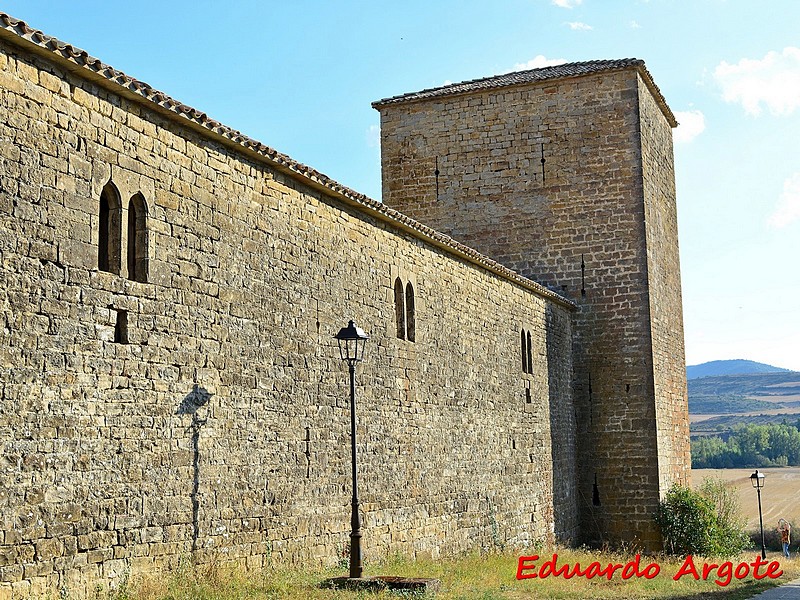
(352, 342)
(757, 479)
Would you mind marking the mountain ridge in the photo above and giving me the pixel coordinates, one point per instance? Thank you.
(716, 368)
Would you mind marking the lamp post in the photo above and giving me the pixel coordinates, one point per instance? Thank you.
(757, 479)
(352, 341)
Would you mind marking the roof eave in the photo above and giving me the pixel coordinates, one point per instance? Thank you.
(83, 65)
(639, 67)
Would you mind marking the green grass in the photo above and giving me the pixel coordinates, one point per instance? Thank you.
(474, 577)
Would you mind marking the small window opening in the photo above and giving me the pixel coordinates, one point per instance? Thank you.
(530, 353)
(411, 333)
(109, 230)
(524, 351)
(308, 452)
(400, 308)
(121, 327)
(527, 395)
(137, 239)
(595, 492)
(102, 247)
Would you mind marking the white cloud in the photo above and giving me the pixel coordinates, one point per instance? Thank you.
(691, 123)
(538, 62)
(788, 209)
(774, 81)
(578, 26)
(635, 25)
(374, 136)
(567, 3)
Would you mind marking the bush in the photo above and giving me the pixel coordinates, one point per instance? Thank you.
(772, 539)
(729, 537)
(704, 523)
(685, 518)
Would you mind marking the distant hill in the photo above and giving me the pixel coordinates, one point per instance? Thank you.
(753, 385)
(716, 368)
(717, 404)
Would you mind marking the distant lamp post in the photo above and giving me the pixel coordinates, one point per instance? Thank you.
(352, 341)
(757, 479)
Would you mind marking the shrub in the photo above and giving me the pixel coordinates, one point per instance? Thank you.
(729, 537)
(685, 518)
(772, 539)
(704, 523)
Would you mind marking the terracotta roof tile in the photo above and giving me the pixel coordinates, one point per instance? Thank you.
(79, 61)
(567, 70)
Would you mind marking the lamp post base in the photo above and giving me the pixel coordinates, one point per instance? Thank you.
(375, 584)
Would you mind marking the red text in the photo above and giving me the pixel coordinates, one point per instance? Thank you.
(551, 567)
(726, 571)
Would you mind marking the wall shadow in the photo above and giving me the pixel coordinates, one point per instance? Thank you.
(563, 430)
(194, 400)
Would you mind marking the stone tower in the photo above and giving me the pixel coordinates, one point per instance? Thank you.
(565, 174)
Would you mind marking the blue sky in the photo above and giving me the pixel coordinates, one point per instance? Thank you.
(300, 76)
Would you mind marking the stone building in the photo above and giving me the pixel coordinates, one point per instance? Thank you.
(169, 382)
(565, 174)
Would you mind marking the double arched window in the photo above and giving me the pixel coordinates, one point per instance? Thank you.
(526, 351)
(404, 310)
(109, 239)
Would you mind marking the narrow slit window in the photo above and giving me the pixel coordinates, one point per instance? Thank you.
(102, 244)
(411, 332)
(530, 353)
(400, 309)
(595, 492)
(524, 351)
(109, 230)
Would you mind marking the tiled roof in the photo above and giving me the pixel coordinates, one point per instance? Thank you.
(84, 65)
(567, 70)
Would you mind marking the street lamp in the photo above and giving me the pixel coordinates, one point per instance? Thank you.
(352, 341)
(757, 479)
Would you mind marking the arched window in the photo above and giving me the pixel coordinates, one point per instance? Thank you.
(410, 317)
(399, 309)
(109, 251)
(137, 239)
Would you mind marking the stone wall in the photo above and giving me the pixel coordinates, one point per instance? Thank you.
(560, 181)
(666, 305)
(204, 410)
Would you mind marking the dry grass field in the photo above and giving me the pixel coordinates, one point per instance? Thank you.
(784, 405)
(780, 497)
(473, 577)
(492, 576)
(722, 401)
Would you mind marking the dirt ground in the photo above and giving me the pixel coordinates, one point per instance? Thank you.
(780, 496)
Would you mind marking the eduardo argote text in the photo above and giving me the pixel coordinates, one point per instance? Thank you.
(722, 574)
